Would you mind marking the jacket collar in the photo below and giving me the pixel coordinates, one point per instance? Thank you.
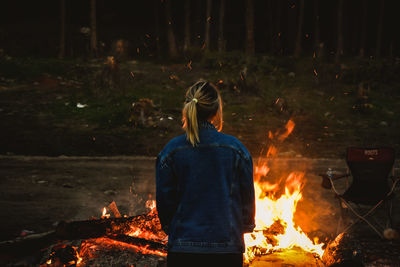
(206, 125)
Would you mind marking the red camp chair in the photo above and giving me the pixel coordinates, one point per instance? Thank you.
(372, 186)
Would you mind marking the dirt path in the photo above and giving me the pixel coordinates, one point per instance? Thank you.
(37, 192)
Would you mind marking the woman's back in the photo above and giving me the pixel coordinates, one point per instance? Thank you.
(209, 179)
(204, 185)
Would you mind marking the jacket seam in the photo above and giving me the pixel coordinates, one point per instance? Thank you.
(166, 157)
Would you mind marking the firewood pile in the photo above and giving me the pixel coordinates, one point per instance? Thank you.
(123, 241)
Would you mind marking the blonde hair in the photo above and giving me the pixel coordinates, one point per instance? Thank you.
(202, 103)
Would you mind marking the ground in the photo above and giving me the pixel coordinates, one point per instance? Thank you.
(39, 192)
(76, 108)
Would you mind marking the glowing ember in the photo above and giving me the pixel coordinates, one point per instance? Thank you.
(189, 65)
(151, 204)
(90, 247)
(275, 229)
(63, 255)
(149, 229)
(143, 235)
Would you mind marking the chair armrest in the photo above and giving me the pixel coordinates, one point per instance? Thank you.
(326, 183)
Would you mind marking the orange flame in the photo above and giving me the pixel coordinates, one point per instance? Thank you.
(289, 129)
(271, 151)
(262, 170)
(275, 228)
(104, 214)
(151, 204)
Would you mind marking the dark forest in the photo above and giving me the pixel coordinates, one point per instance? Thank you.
(357, 28)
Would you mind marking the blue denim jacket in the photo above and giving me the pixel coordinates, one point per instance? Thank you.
(205, 194)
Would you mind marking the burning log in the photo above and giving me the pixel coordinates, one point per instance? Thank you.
(114, 209)
(148, 244)
(25, 246)
(275, 229)
(114, 227)
(98, 228)
(345, 250)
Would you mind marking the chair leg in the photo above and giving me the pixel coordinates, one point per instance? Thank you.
(388, 207)
(345, 222)
(363, 217)
(341, 223)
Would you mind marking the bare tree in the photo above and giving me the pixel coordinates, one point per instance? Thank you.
(221, 40)
(173, 51)
(278, 34)
(61, 52)
(198, 22)
(270, 26)
(363, 28)
(250, 45)
(208, 24)
(186, 42)
(157, 26)
(299, 38)
(316, 27)
(380, 26)
(339, 47)
(291, 26)
(93, 29)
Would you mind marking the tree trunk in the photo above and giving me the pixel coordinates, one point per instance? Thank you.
(339, 47)
(93, 29)
(278, 31)
(221, 40)
(61, 52)
(208, 24)
(291, 27)
(157, 26)
(363, 29)
(173, 51)
(186, 41)
(270, 27)
(380, 26)
(316, 27)
(198, 22)
(299, 38)
(250, 45)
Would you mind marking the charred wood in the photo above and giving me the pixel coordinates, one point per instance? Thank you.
(344, 250)
(275, 229)
(24, 246)
(149, 244)
(98, 228)
(360, 249)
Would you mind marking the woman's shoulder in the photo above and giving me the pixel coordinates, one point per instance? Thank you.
(234, 142)
(173, 144)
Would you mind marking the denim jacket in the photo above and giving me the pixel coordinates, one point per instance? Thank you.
(205, 194)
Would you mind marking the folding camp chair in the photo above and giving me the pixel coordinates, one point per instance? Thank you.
(372, 186)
